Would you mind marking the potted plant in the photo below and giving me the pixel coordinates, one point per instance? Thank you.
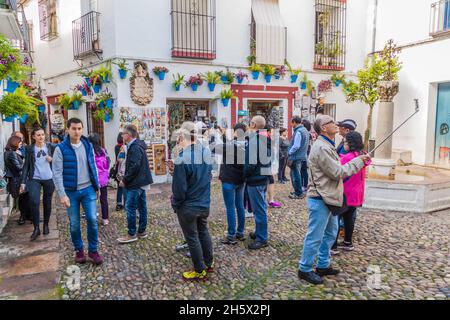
(280, 72)
(19, 105)
(13, 67)
(96, 82)
(105, 99)
(86, 75)
(240, 76)
(161, 72)
(212, 79)
(324, 86)
(255, 69)
(83, 88)
(310, 87)
(304, 81)
(178, 80)
(123, 67)
(337, 79)
(320, 51)
(269, 71)
(294, 72)
(194, 82)
(104, 114)
(65, 101)
(225, 96)
(104, 72)
(76, 100)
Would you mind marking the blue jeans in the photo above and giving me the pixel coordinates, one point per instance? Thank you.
(120, 196)
(321, 235)
(304, 173)
(296, 177)
(136, 199)
(257, 197)
(233, 196)
(88, 199)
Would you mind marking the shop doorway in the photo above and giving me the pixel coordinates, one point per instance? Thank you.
(442, 141)
(272, 111)
(94, 125)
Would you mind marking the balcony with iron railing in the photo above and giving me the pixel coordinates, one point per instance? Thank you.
(85, 34)
(9, 23)
(440, 18)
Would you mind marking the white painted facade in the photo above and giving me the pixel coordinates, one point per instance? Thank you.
(141, 30)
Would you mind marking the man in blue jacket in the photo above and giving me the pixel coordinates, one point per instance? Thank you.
(298, 155)
(76, 182)
(191, 188)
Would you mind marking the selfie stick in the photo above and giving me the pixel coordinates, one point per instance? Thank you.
(416, 101)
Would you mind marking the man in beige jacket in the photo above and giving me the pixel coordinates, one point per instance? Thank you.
(326, 176)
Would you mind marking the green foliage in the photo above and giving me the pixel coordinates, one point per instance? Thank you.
(121, 63)
(291, 70)
(226, 94)
(12, 64)
(310, 86)
(102, 98)
(178, 80)
(211, 77)
(100, 113)
(305, 78)
(65, 101)
(392, 64)
(103, 72)
(269, 70)
(338, 77)
(77, 96)
(20, 104)
(85, 73)
(255, 68)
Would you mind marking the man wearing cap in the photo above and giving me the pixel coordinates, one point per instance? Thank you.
(325, 188)
(345, 127)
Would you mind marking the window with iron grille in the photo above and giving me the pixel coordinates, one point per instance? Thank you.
(329, 109)
(330, 37)
(194, 29)
(85, 35)
(440, 18)
(48, 19)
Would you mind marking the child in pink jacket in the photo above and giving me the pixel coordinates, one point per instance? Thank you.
(353, 187)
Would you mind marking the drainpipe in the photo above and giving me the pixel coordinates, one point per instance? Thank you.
(374, 31)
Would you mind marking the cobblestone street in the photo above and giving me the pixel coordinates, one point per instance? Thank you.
(397, 256)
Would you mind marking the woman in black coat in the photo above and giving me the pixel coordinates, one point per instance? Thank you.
(13, 170)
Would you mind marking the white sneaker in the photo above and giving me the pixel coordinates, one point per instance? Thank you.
(249, 214)
(105, 222)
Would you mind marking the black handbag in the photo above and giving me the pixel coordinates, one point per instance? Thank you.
(335, 210)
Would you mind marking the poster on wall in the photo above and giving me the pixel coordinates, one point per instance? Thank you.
(159, 159)
(151, 122)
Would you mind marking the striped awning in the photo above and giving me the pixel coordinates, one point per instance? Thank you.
(270, 32)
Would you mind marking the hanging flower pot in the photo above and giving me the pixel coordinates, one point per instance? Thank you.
(106, 79)
(11, 86)
(88, 81)
(294, 78)
(177, 87)
(160, 72)
(337, 83)
(23, 119)
(107, 118)
(109, 103)
(161, 75)
(240, 80)
(277, 77)
(194, 87)
(41, 108)
(255, 75)
(10, 119)
(97, 88)
(83, 92)
(268, 78)
(123, 73)
(303, 85)
(225, 102)
(75, 105)
(224, 79)
(211, 86)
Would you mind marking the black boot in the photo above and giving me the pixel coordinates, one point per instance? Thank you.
(36, 234)
(46, 229)
(21, 220)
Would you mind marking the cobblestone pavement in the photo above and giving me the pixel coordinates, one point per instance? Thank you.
(397, 256)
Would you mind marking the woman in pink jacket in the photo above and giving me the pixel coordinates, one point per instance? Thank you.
(353, 188)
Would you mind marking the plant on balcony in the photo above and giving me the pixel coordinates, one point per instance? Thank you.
(324, 18)
(324, 86)
(194, 82)
(122, 64)
(240, 76)
(225, 96)
(268, 71)
(294, 72)
(161, 72)
(12, 66)
(104, 99)
(255, 69)
(178, 80)
(20, 105)
(83, 88)
(337, 79)
(76, 100)
(104, 114)
(212, 79)
(280, 72)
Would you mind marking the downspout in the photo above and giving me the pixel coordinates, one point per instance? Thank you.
(374, 31)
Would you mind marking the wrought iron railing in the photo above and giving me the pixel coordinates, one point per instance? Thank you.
(440, 18)
(330, 34)
(85, 34)
(194, 29)
(8, 4)
(48, 20)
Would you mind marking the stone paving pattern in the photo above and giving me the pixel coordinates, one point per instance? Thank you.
(411, 252)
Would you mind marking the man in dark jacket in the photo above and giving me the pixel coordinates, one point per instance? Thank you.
(191, 199)
(257, 170)
(136, 181)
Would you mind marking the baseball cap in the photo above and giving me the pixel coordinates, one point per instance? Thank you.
(348, 123)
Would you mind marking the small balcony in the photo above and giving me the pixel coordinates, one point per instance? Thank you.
(440, 18)
(85, 33)
(9, 23)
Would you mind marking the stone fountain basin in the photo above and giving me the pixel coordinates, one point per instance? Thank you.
(415, 189)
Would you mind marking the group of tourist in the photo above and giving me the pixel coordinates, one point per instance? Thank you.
(251, 158)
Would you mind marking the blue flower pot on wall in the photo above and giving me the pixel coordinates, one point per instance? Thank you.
(23, 119)
(97, 88)
(11, 86)
(277, 77)
(239, 80)
(194, 87)
(255, 75)
(268, 78)
(75, 105)
(88, 81)
(107, 118)
(123, 73)
(303, 85)
(337, 83)
(106, 79)
(224, 79)
(161, 76)
(225, 102)
(177, 87)
(41, 108)
(109, 103)
(83, 92)
(10, 119)
(294, 78)
(211, 86)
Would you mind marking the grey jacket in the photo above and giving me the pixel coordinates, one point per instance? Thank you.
(326, 173)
